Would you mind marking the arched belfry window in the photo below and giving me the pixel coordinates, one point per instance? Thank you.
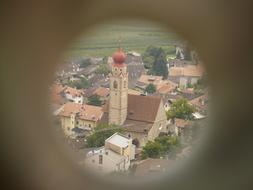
(115, 84)
(125, 84)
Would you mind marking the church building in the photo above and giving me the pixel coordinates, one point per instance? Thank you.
(142, 117)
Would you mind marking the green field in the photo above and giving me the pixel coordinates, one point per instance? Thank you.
(135, 36)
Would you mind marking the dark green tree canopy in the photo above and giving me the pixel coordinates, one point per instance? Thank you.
(101, 133)
(85, 62)
(151, 88)
(161, 146)
(94, 100)
(155, 60)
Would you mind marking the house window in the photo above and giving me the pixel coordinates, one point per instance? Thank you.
(100, 159)
(115, 84)
(90, 125)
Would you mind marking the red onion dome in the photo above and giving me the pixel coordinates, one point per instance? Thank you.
(119, 56)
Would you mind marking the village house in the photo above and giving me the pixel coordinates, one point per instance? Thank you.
(77, 118)
(142, 117)
(74, 95)
(189, 74)
(115, 156)
(178, 63)
(162, 86)
(102, 92)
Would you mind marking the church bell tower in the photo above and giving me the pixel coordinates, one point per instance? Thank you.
(118, 89)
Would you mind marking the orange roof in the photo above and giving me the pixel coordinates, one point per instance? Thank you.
(181, 123)
(84, 112)
(200, 102)
(189, 70)
(101, 91)
(73, 91)
(166, 88)
(156, 80)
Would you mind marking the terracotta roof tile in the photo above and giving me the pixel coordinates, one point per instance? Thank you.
(189, 70)
(167, 87)
(200, 102)
(181, 123)
(73, 91)
(85, 112)
(143, 108)
(101, 91)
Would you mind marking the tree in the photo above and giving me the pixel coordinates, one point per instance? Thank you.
(151, 150)
(148, 61)
(155, 61)
(161, 146)
(181, 109)
(94, 100)
(83, 83)
(160, 67)
(103, 69)
(101, 133)
(151, 88)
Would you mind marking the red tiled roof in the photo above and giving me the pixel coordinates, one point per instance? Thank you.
(85, 112)
(181, 123)
(200, 102)
(101, 91)
(73, 91)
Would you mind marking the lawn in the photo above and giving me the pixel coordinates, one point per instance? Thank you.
(135, 36)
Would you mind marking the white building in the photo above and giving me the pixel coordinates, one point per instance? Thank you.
(113, 157)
